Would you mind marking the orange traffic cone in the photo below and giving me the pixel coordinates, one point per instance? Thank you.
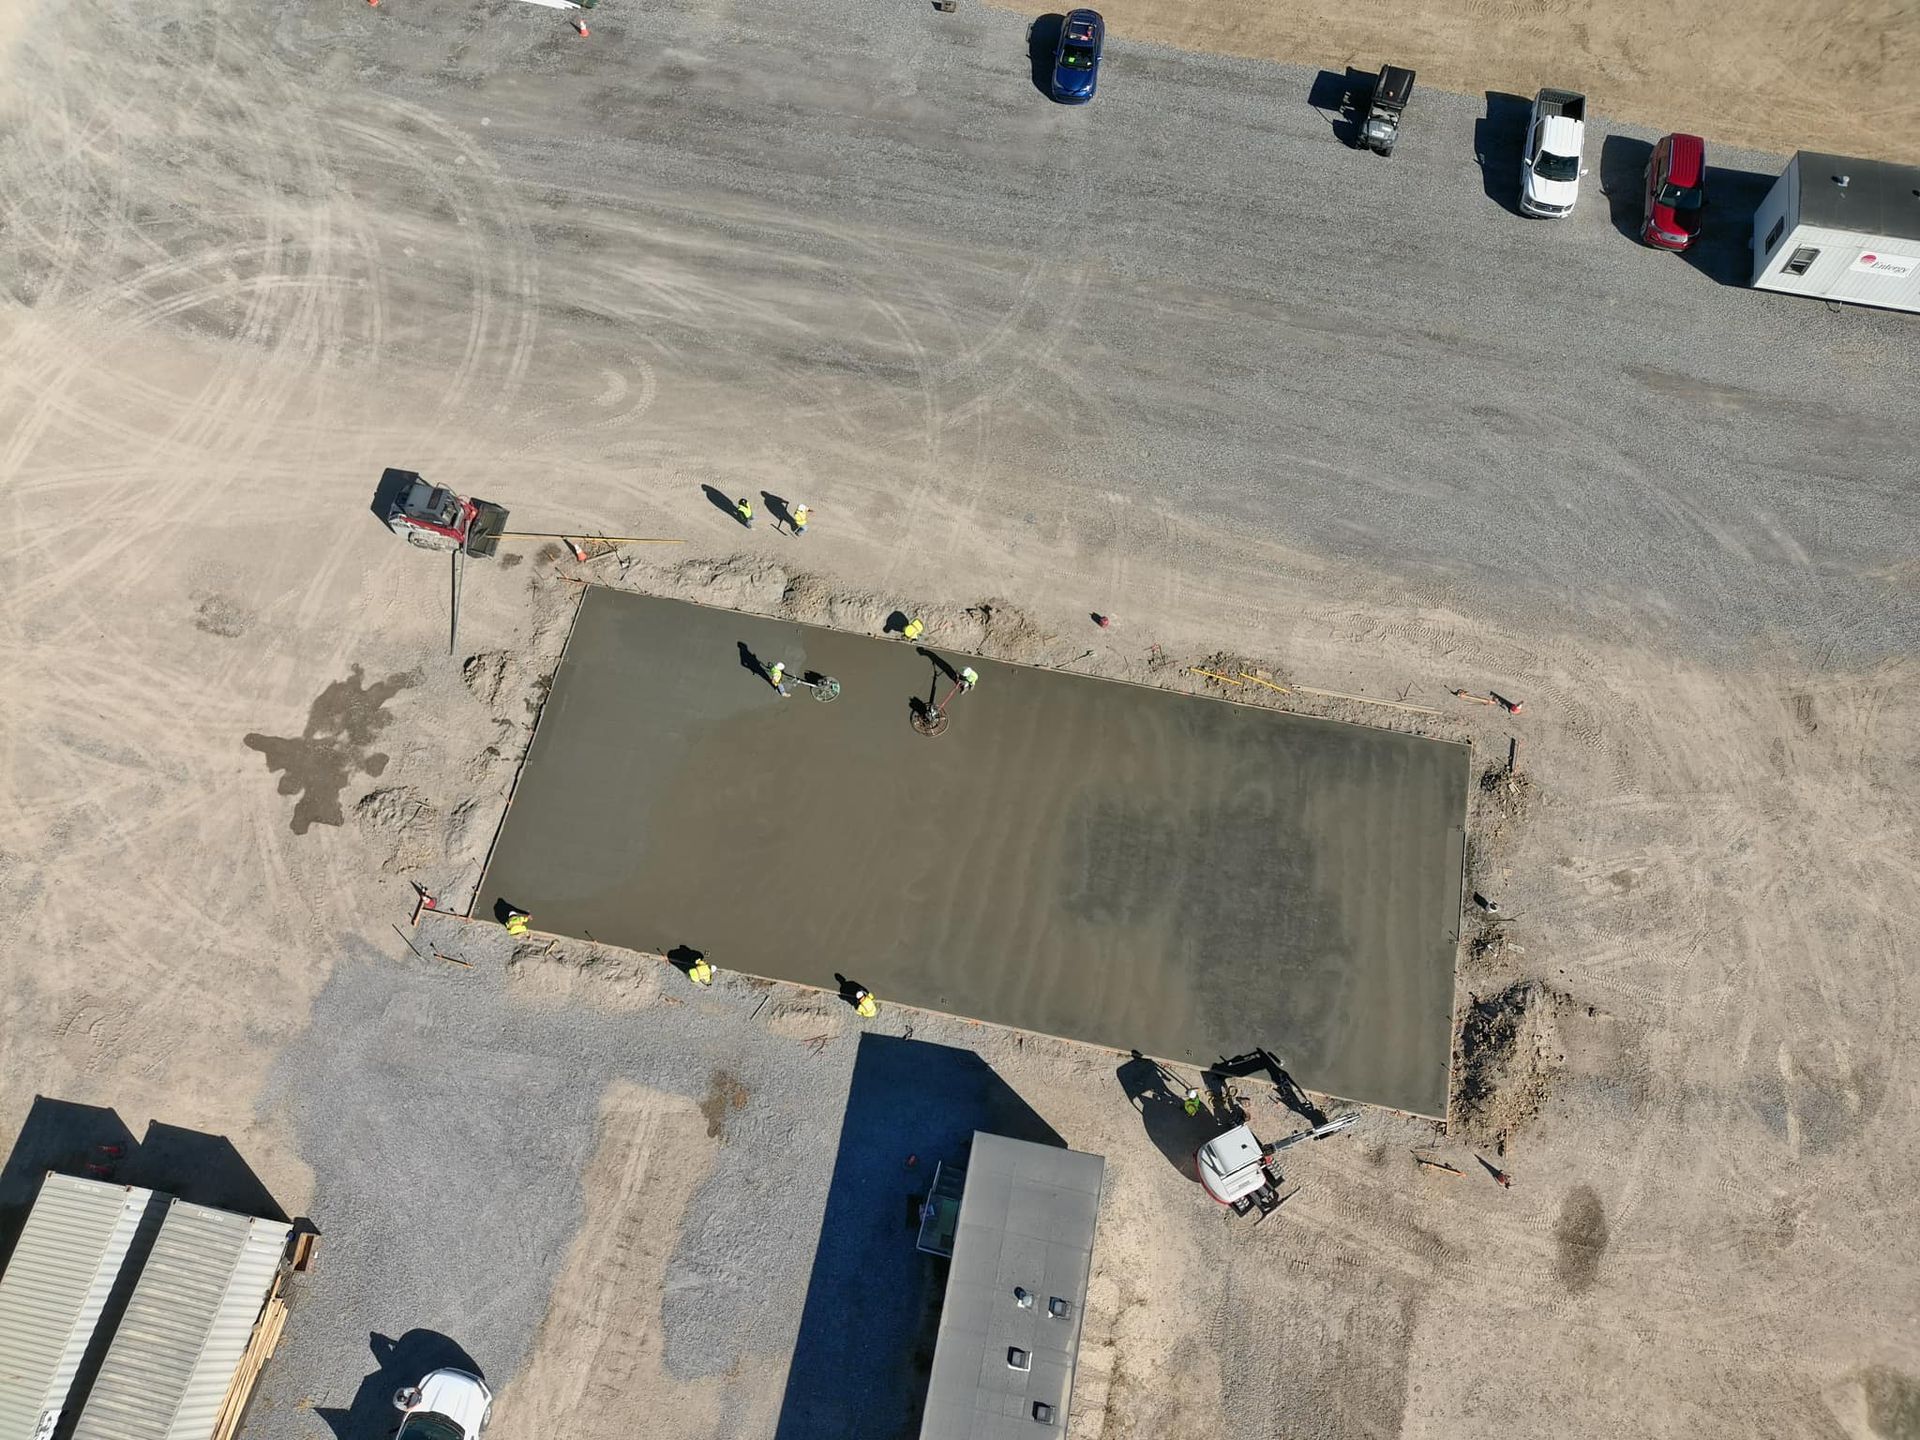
(581, 26)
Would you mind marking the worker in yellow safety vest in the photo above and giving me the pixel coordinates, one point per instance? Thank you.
(913, 629)
(969, 677)
(864, 1005)
(517, 922)
(1192, 1106)
(799, 519)
(700, 972)
(778, 675)
(743, 507)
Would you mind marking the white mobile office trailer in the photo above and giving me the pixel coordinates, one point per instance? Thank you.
(1841, 229)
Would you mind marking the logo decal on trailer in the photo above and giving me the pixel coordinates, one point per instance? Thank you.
(1874, 263)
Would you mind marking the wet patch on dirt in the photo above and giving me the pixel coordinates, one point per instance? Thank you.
(1893, 1403)
(318, 764)
(725, 1094)
(223, 616)
(1580, 1238)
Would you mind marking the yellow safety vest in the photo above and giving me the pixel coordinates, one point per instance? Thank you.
(868, 1007)
(517, 923)
(745, 507)
(701, 973)
(912, 632)
(800, 518)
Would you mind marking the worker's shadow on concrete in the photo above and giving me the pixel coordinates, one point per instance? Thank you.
(393, 484)
(849, 990)
(1499, 140)
(896, 624)
(504, 911)
(1043, 41)
(753, 664)
(724, 504)
(865, 1345)
(684, 957)
(1161, 1100)
(1341, 99)
(92, 1142)
(398, 1363)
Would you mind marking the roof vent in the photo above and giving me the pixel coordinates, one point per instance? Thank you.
(1043, 1412)
(1843, 181)
(1023, 1297)
(1018, 1359)
(1058, 1308)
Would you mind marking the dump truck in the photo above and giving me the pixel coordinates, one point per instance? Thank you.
(1550, 163)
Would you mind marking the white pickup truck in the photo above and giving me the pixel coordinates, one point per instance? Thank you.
(1551, 169)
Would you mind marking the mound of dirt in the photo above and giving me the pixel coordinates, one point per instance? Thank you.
(406, 823)
(549, 973)
(1506, 1055)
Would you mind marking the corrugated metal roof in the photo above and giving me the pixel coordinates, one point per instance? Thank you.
(186, 1327)
(1002, 1362)
(68, 1258)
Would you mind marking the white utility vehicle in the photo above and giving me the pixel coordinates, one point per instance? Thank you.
(446, 1405)
(1551, 169)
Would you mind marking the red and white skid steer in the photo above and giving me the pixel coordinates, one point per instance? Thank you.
(433, 517)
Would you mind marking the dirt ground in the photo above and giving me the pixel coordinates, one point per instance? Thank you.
(1769, 75)
(251, 259)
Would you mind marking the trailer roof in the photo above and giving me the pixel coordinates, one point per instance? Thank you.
(69, 1256)
(187, 1325)
(1003, 1369)
(1879, 198)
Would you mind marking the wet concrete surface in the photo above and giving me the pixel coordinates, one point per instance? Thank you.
(1114, 864)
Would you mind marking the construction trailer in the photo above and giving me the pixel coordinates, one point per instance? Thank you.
(1841, 229)
(1009, 1337)
(71, 1256)
(203, 1317)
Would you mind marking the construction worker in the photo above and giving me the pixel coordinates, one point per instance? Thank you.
(913, 629)
(743, 507)
(1192, 1106)
(778, 675)
(700, 972)
(799, 519)
(969, 677)
(864, 1005)
(517, 922)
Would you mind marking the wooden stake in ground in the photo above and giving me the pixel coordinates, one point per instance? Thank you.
(1439, 1165)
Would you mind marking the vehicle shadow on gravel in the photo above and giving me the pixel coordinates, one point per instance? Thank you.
(1340, 99)
(1499, 140)
(1043, 38)
(867, 1328)
(400, 1362)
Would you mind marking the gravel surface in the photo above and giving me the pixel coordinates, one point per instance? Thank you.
(1189, 298)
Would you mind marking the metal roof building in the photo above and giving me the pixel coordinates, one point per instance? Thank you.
(187, 1326)
(1010, 1329)
(1841, 229)
(55, 1287)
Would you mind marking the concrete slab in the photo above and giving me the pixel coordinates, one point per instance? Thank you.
(1105, 862)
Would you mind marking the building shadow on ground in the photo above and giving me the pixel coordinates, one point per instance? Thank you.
(94, 1143)
(865, 1345)
(397, 1363)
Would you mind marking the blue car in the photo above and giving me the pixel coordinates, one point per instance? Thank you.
(1076, 61)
